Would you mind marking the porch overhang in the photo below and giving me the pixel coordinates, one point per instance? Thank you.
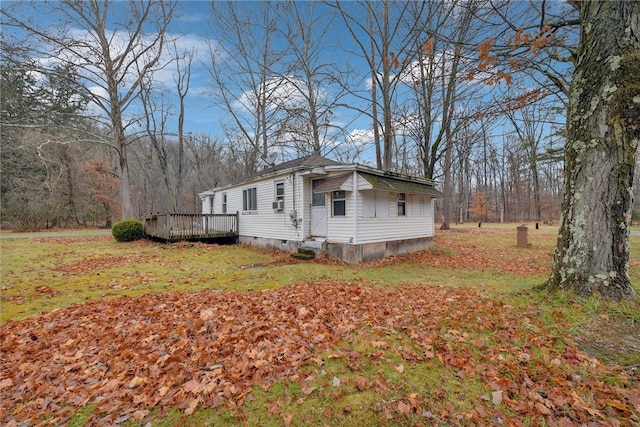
(333, 183)
(389, 183)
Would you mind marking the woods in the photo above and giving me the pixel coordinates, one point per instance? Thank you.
(473, 94)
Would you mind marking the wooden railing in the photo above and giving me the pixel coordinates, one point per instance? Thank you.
(174, 227)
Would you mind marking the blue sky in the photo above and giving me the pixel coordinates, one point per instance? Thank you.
(194, 23)
(192, 28)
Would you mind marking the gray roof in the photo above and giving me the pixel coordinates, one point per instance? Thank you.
(378, 179)
(307, 161)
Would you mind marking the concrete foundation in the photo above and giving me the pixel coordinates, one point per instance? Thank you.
(349, 253)
(354, 254)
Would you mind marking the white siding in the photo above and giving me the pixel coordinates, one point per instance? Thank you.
(340, 228)
(417, 205)
(205, 205)
(304, 211)
(393, 227)
(265, 221)
(357, 226)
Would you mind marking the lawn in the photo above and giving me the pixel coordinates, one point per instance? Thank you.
(100, 332)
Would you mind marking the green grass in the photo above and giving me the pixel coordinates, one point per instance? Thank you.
(47, 274)
(44, 274)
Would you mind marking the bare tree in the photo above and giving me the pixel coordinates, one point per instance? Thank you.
(531, 125)
(113, 55)
(243, 61)
(315, 78)
(182, 80)
(382, 42)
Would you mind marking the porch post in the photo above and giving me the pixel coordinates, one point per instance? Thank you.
(354, 188)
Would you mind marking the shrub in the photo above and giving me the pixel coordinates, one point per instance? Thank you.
(127, 230)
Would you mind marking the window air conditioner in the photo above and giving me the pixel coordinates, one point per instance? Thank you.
(278, 205)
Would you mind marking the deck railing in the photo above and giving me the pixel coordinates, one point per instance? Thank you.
(174, 227)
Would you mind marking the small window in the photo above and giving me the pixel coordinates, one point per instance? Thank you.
(339, 203)
(250, 199)
(210, 204)
(224, 203)
(318, 199)
(402, 204)
(280, 191)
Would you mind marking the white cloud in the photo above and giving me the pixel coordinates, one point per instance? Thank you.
(360, 137)
(285, 92)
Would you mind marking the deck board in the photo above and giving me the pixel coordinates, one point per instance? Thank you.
(172, 227)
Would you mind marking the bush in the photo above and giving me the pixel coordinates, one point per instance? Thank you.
(127, 230)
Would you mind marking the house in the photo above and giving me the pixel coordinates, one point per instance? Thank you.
(349, 212)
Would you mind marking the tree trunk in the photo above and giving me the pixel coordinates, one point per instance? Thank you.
(592, 255)
(446, 202)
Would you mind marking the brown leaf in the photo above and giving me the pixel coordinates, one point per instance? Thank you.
(191, 386)
(193, 404)
(482, 413)
(287, 420)
(136, 381)
(496, 397)
(379, 344)
(543, 410)
(361, 383)
(403, 408)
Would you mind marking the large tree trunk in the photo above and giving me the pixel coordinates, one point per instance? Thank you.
(592, 255)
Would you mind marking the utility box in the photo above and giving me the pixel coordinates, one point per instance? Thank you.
(522, 236)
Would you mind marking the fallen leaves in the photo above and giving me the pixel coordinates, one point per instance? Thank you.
(202, 350)
(453, 250)
(99, 263)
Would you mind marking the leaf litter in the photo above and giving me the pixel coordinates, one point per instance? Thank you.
(185, 351)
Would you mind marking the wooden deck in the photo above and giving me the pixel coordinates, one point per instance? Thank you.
(176, 227)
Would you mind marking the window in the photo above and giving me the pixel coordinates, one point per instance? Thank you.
(375, 204)
(428, 207)
(224, 203)
(368, 204)
(280, 191)
(318, 199)
(339, 203)
(417, 205)
(210, 204)
(402, 204)
(250, 199)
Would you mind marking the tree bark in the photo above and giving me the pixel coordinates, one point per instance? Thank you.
(592, 255)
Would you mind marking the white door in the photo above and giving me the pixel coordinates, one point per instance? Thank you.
(319, 215)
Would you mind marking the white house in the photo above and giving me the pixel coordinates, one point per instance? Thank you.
(347, 211)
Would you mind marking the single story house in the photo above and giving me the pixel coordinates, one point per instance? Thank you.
(349, 212)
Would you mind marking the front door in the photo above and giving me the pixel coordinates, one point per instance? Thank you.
(319, 215)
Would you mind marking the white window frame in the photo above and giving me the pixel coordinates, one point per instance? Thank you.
(224, 203)
(250, 199)
(402, 204)
(279, 185)
(340, 197)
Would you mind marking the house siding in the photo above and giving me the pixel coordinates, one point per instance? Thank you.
(340, 228)
(352, 237)
(394, 227)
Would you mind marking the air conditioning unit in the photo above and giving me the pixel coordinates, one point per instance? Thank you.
(278, 205)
